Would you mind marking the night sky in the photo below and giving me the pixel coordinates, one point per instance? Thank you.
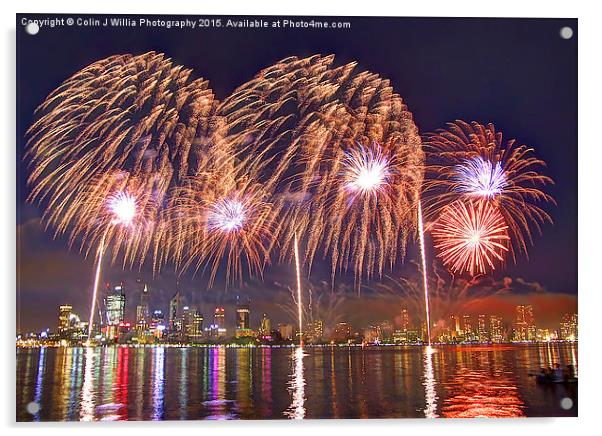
(517, 73)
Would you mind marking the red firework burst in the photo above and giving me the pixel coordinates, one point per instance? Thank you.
(471, 236)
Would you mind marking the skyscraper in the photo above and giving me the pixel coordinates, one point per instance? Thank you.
(495, 329)
(405, 320)
(195, 331)
(115, 306)
(242, 315)
(525, 324)
(568, 327)
(266, 326)
(467, 327)
(115, 310)
(142, 310)
(219, 322)
(65, 312)
(175, 319)
(157, 324)
(482, 329)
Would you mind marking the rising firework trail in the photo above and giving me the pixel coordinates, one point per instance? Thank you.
(99, 257)
(424, 273)
(299, 303)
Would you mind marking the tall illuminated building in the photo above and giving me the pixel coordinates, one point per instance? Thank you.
(569, 327)
(318, 329)
(219, 322)
(266, 326)
(142, 310)
(467, 327)
(456, 331)
(157, 324)
(525, 329)
(482, 329)
(342, 332)
(115, 306)
(195, 330)
(65, 312)
(242, 315)
(115, 311)
(405, 320)
(496, 333)
(175, 316)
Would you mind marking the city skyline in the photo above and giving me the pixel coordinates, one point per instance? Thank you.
(182, 322)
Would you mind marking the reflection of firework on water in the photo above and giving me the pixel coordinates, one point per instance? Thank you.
(472, 161)
(297, 124)
(120, 118)
(481, 393)
(470, 236)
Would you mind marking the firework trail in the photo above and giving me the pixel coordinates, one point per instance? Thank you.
(424, 273)
(473, 162)
(321, 137)
(470, 236)
(95, 289)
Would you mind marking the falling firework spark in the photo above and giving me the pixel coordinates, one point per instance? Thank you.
(470, 236)
(472, 161)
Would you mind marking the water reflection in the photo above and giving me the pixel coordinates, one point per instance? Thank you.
(156, 383)
(297, 387)
(480, 386)
(430, 394)
(87, 402)
(39, 385)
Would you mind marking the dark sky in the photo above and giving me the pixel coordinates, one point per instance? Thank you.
(517, 73)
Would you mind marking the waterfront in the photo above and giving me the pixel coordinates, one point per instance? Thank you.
(169, 383)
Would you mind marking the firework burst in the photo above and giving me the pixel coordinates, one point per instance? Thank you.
(124, 117)
(470, 236)
(309, 130)
(230, 225)
(472, 161)
(366, 171)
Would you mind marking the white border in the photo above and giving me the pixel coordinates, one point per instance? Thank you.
(590, 76)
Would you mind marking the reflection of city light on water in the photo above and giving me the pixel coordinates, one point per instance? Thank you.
(38, 392)
(158, 382)
(87, 403)
(297, 387)
(430, 411)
